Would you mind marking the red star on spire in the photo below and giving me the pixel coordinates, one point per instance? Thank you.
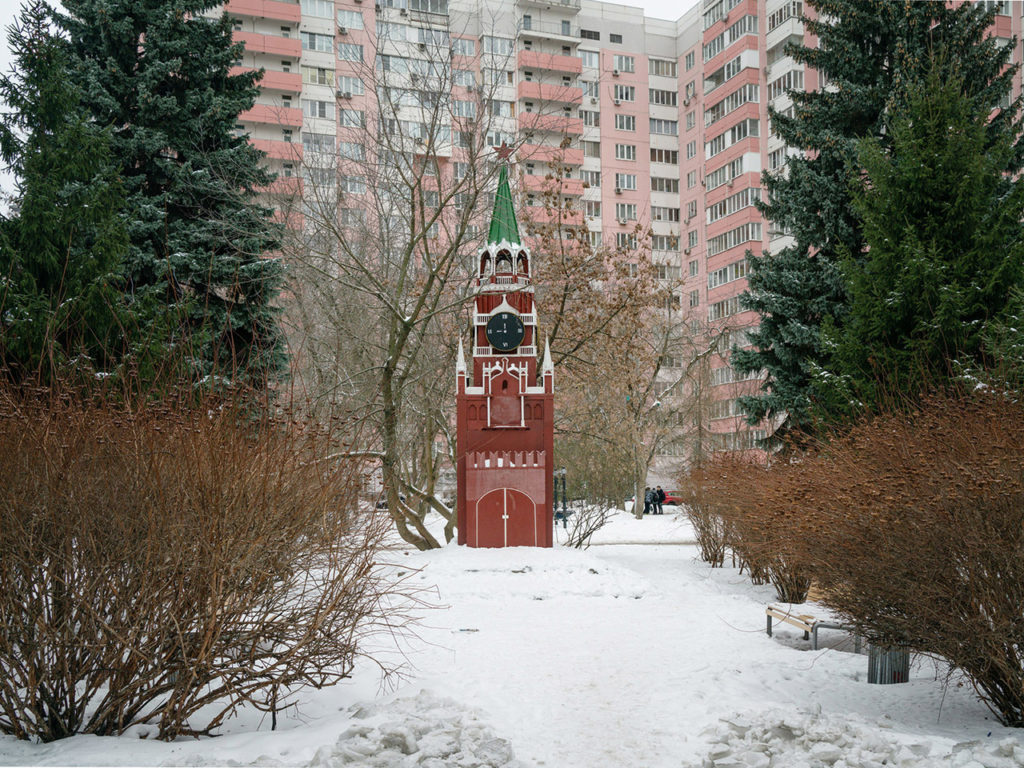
(504, 151)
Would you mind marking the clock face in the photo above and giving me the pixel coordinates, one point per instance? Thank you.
(505, 331)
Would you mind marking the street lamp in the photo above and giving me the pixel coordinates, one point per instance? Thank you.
(564, 513)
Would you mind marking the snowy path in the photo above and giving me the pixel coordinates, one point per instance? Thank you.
(622, 656)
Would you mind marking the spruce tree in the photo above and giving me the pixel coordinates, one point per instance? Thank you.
(157, 72)
(869, 50)
(942, 224)
(60, 251)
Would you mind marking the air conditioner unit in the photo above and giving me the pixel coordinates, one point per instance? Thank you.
(622, 222)
(615, 73)
(593, 99)
(686, 220)
(767, 70)
(618, 190)
(403, 12)
(616, 102)
(344, 94)
(423, 46)
(686, 102)
(686, 251)
(470, 88)
(414, 78)
(376, 7)
(420, 141)
(730, 183)
(342, 30)
(358, 2)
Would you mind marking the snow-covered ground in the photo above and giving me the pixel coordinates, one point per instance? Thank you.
(630, 654)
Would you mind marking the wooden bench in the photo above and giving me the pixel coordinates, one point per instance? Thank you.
(805, 622)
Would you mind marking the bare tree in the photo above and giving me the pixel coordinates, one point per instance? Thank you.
(392, 216)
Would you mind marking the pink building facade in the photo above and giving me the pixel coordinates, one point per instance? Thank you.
(662, 123)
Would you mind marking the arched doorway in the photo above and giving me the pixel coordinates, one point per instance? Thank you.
(506, 517)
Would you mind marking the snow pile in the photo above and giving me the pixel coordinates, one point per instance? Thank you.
(805, 740)
(526, 573)
(423, 731)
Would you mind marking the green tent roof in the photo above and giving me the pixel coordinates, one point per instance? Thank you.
(503, 220)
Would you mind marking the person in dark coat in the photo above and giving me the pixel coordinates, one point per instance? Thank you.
(649, 497)
(659, 499)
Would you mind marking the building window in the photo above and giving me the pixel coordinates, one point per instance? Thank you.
(590, 118)
(350, 19)
(691, 238)
(462, 46)
(625, 211)
(351, 85)
(691, 120)
(591, 178)
(661, 67)
(664, 127)
(593, 209)
(350, 52)
(590, 59)
(667, 156)
(664, 98)
(625, 181)
(625, 122)
(624, 63)
(691, 149)
(317, 76)
(694, 267)
(591, 148)
(660, 184)
(315, 42)
(351, 118)
(614, 38)
(624, 93)
(322, 9)
(590, 34)
(691, 180)
(662, 213)
(690, 60)
(312, 108)
(695, 298)
(317, 142)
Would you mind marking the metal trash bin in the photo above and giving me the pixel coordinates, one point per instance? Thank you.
(887, 666)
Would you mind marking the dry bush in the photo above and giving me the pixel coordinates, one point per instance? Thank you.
(742, 496)
(159, 561)
(913, 525)
(708, 525)
(582, 523)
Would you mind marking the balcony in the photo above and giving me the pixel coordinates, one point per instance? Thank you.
(545, 154)
(530, 122)
(279, 150)
(542, 184)
(538, 215)
(569, 4)
(272, 44)
(271, 115)
(550, 62)
(563, 94)
(556, 29)
(274, 80)
(264, 9)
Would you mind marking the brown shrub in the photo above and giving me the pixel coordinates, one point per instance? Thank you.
(162, 560)
(741, 494)
(913, 526)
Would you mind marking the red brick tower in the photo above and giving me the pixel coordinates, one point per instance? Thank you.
(505, 419)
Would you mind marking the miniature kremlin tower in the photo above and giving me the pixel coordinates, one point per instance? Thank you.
(505, 419)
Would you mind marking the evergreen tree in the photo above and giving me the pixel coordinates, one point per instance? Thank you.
(942, 224)
(60, 296)
(158, 73)
(869, 50)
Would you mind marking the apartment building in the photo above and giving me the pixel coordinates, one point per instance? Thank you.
(662, 123)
